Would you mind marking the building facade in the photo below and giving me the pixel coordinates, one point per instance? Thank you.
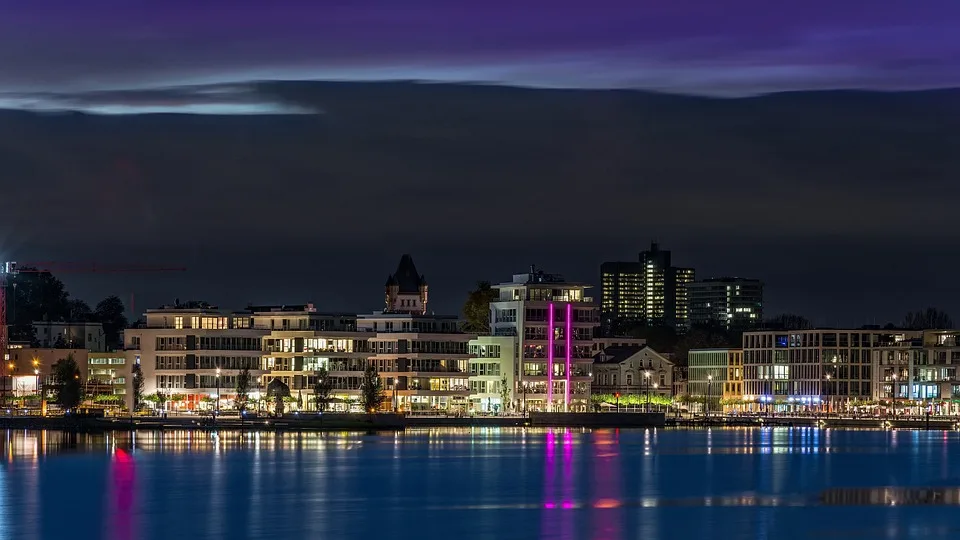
(554, 323)
(493, 369)
(823, 367)
(630, 370)
(652, 291)
(730, 303)
(71, 335)
(424, 361)
(108, 373)
(195, 353)
(708, 372)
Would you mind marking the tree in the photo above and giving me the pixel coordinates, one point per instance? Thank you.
(78, 311)
(659, 338)
(278, 391)
(321, 389)
(371, 390)
(110, 313)
(928, 319)
(36, 296)
(504, 394)
(161, 399)
(701, 338)
(67, 387)
(136, 383)
(787, 321)
(243, 389)
(476, 310)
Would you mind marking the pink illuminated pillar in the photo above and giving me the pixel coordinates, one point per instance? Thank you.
(550, 331)
(569, 335)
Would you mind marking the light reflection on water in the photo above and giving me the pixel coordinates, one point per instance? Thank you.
(480, 483)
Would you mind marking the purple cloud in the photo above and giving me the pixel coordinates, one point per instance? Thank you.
(695, 46)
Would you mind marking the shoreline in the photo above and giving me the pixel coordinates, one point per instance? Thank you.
(394, 422)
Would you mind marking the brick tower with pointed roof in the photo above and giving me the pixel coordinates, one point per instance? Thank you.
(406, 289)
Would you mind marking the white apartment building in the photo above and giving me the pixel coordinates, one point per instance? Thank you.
(71, 335)
(424, 360)
(196, 353)
(493, 373)
(554, 323)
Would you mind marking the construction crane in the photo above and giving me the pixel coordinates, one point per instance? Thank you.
(10, 269)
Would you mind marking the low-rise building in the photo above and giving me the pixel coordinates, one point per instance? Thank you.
(88, 336)
(30, 367)
(631, 370)
(108, 373)
(708, 372)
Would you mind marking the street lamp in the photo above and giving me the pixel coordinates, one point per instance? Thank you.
(829, 395)
(36, 372)
(218, 391)
(396, 403)
(655, 387)
(646, 384)
(894, 377)
(709, 393)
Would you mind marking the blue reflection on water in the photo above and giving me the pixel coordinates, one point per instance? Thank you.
(482, 484)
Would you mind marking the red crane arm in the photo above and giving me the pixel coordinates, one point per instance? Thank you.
(92, 268)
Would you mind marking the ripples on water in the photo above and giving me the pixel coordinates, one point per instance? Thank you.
(482, 483)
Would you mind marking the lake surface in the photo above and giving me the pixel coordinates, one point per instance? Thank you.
(483, 483)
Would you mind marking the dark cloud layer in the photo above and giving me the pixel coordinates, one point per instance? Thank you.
(842, 201)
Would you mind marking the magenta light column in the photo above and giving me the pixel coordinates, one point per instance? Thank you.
(569, 335)
(550, 331)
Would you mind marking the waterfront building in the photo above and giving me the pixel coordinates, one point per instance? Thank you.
(71, 335)
(632, 370)
(29, 368)
(493, 373)
(554, 323)
(826, 368)
(708, 374)
(423, 360)
(919, 366)
(728, 302)
(651, 290)
(733, 386)
(108, 373)
(195, 353)
(301, 342)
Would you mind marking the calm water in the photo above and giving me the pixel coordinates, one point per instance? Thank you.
(494, 484)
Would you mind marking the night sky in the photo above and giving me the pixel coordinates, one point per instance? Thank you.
(843, 203)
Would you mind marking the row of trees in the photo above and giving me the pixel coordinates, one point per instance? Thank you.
(40, 296)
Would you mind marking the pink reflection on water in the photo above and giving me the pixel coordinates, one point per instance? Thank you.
(122, 487)
(608, 518)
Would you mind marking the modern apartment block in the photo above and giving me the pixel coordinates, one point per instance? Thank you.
(728, 302)
(921, 365)
(195, 352)
(554, 323)
(108, 373)
(424, 360)
(828, 367)
(493, 369)
(650, 290)
(710, 373)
